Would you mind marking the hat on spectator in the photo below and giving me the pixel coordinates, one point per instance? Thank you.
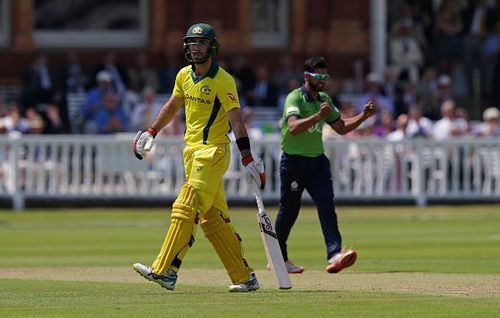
(491, 113)
(103, 76)
(444, 80)
(373, 78)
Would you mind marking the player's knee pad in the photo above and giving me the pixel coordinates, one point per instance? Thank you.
(227, 244)
(181, 233)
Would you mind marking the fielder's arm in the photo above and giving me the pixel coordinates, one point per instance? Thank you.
(297, 125)
(343, 126)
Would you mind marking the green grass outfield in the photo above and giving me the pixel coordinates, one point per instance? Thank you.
(441, 261)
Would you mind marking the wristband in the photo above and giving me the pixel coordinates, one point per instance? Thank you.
(243, 143)
(152, 131)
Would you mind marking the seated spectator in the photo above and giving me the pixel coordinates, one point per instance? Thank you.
(385, 125)
(119, 76)
(449, 125)
(13, 122)
(53, 123)
(94, 100)
(405, 53)
(111, 118)
(401, 127)
(36, 123)
(490, 127)
(418, 125)
(143, 113)
(427, 93)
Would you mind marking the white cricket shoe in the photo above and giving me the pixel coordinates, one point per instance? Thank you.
(251, 285)
(341, 260)
(166, 281)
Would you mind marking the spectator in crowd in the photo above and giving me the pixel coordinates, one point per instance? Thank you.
(94, 100)
(373, 92)
(265, 92)
(384, 126)
(73, 79)
(404, 98)
(448, 29)
(119, 77)
(144, 113)
(390, 82)
(463, 119)
(445, 92)
(407, 15)
(449, 125)
(142, 74)
(53, 123)
(400, 133)
(478, 17)
(491, 54)
(14, 122)
(418, 125)
(111, 118)
(73, 75)
(36, 122)
(405, 53)
(38, 83)
(427, 93)
(490, 127)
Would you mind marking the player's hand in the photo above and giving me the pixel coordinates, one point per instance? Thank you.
(143, 142)
(254, 169)
(324, 110)
(369, 109)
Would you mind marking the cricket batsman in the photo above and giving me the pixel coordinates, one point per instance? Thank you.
(209, 96)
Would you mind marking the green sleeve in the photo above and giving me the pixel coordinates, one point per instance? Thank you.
(292, 105)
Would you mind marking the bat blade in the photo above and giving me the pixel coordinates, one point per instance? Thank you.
(271, 245)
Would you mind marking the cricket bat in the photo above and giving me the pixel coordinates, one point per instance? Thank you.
(271, 245)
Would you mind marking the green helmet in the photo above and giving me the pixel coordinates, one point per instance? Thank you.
(201, 30)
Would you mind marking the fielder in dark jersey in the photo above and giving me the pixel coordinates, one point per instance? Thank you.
(303, 164)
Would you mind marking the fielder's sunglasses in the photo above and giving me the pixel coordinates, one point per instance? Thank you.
(318, 76)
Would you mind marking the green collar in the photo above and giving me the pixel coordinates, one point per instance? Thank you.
(211, 72)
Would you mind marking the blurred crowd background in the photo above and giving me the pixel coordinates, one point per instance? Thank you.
(442, 78)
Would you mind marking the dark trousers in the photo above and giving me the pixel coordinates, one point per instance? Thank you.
(312, 174)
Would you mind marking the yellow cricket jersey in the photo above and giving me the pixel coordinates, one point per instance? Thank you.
(207, 100)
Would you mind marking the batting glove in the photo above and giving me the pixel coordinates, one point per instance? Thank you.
(254, 169)
(143, 142)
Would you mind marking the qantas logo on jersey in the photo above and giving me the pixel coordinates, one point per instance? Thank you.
(205, 90)
(198, 100)
(231, 97)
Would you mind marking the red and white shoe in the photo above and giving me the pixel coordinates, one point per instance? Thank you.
(341, 260)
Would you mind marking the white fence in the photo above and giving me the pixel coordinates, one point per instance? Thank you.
(84, 167)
